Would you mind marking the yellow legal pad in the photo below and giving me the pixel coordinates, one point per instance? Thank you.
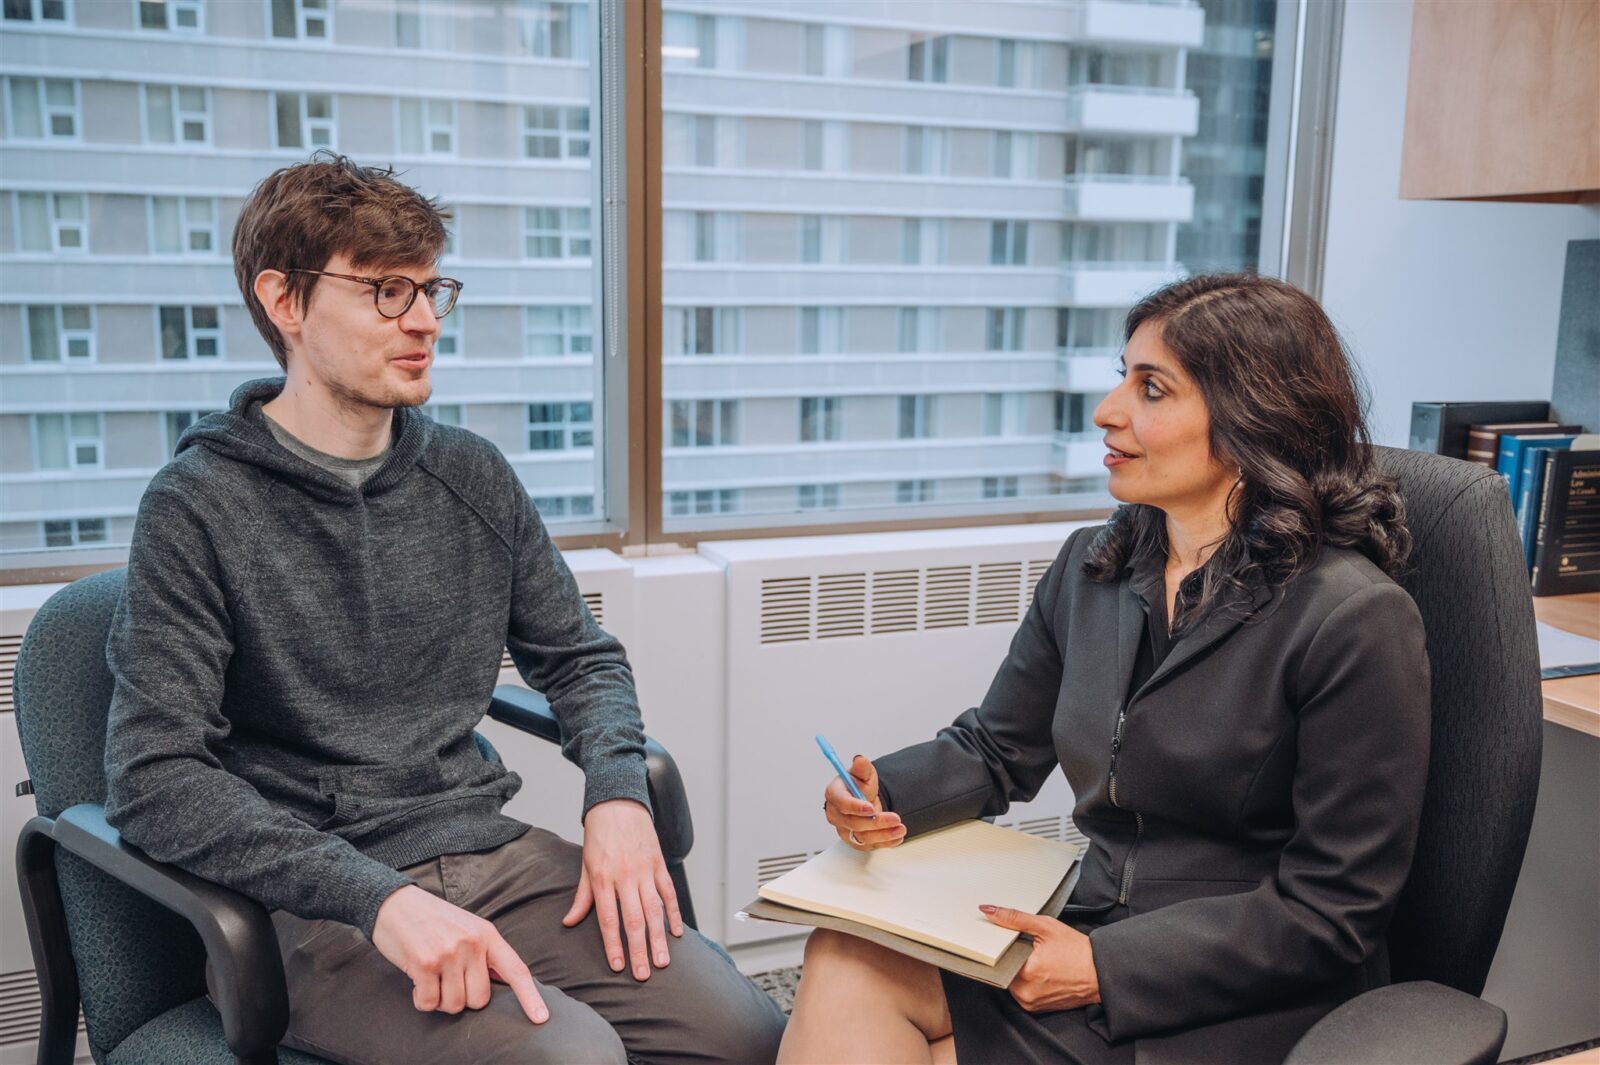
(928, 889)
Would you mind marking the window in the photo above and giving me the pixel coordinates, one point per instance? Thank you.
(819, 419)
(177, 114)
(174, 422)
(827, 51)
(445, 413)
(1015, 155)
(914, 492)
(547, 30)
(1088, 327)
(43, 109)
(558, 331)
(31, 10)
(189, 332)
(75, 532)
(1000, 487)
(918, 329)
(1070, 407)
(1008, 244)
(917, 417)
(183, 225)
(817, 496)
(555, 232)
(176, 16)
(68, 441)
(704, 501)
(304, 120)
(424, 24)
(702, 140)
(1004, 413)
(928, 59)
(821, 330)
(1016, 64)
(703, 423)
(427, 127)
(925, 150)
(306, 20)
(555, 132)
(1005, 328)
(822, 239)
(560, 426)
(707, 42)
(921, 241)
(60, 334)
(452, 329)
(564, 506)
(702, 330)
(52, 222)
(703, 236)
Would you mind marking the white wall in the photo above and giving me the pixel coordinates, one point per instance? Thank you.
(1437, 300)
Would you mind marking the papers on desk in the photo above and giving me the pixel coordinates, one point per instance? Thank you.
(1566, 654)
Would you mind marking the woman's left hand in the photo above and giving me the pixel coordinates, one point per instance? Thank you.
(1059, 974)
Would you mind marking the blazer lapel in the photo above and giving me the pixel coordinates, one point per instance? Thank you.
(1130, 628)
(1222, 620)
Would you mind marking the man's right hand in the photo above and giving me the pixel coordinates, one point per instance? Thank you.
(450, 955)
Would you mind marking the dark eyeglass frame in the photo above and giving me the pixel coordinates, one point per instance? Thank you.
(377, 283)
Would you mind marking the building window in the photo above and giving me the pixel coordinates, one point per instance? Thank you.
(716, 236)
(306, 20)
(703, 140)
(1008, 243)
(547, 30)
(174, 422)
(704, 423)
(555, 132)
(427, 127)
(176, 114)
(928, 59)
(820, 419)
(558, 331)
(827, 51)
(560, 426)
(36, 10)
(918, 417)
(1000, 487)
(43, 109)
(52, 222)
(1070, 412)
(176, 16)
(60, 334)
(822, 239)
(921, 241)
(74, 533)
(190, 332)
(564, 506)
(452, 334)
(707, 42)
(183, 225)
(926, 150)
(703, 330)
(304, 119)
(555, 232)
(1003, 413)
(1088, 327)
(914, 492)
(445, 413)
(919, 329)
(1015, 155)
(68, 441)
(817, 496)
(821, 330)
(1016, 64)
(704, 501)
(428, 25)
(1005, 328)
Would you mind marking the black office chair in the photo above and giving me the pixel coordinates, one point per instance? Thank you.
(1470, 582)
(130, 937)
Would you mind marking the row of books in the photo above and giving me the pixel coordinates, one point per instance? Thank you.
(1552, 472)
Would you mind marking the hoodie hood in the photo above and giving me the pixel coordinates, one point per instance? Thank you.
(241, 433)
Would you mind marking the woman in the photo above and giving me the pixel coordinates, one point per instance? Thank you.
(1238, 693)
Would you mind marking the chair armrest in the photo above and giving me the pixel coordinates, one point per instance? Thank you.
(247, 982)
(1421, 1022)
(530, 712)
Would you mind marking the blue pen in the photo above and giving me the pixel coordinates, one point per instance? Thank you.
(849, 781)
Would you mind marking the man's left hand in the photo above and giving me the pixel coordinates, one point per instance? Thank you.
(623, 867)
(1060, 973)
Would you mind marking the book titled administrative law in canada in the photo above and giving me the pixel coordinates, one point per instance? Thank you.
(1566, 553)
(921, 898)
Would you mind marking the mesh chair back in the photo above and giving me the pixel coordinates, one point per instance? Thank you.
(135, 960)
(1469, 580)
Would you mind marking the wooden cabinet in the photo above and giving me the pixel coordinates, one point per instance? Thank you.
(1503, 101)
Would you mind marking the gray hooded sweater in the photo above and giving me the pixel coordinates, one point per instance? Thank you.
(300, 664)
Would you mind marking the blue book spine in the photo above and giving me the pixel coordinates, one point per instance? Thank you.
(1509, 462)
(1530, 479)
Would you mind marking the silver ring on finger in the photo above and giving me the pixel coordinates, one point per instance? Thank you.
(854, 840)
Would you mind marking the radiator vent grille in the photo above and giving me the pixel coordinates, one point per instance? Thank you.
(9, 646)
(883, 602)
(1057, 828)
(19, 1008)
(595, 601)
(769, 869)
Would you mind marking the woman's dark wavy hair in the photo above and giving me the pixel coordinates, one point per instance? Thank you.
(1286, 408)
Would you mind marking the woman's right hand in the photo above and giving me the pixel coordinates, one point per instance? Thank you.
(866, 826)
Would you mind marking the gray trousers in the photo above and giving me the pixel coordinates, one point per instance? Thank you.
(347, 1003)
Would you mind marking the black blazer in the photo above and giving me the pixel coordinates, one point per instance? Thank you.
(1251, 841)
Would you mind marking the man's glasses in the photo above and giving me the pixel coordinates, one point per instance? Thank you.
(393, 296)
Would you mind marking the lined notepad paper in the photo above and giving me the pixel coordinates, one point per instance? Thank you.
(928, 888)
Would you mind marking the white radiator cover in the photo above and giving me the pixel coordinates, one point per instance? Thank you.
(876, 641)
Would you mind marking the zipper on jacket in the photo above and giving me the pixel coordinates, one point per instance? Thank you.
(1116, 748)
(1127, 864)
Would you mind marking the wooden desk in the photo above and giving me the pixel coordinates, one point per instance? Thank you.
(1572, 701)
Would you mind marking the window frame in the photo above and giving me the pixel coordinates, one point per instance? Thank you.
(36, 15)
(428, 127)
(305, 122)
(46, 111)
(174, 94)
(192, 334)
(169, 9)
(186, 228)
(64, 336)
(73, 442)
(304, 15)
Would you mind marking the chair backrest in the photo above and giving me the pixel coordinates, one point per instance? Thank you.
(135, 960)
(1469, 580)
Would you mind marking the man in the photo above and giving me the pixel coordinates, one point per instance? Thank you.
(319, 588)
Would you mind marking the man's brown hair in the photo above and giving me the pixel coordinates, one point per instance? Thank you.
(303, 215)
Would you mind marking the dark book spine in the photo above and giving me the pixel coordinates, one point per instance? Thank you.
(1567, 554)
(1541, 557)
